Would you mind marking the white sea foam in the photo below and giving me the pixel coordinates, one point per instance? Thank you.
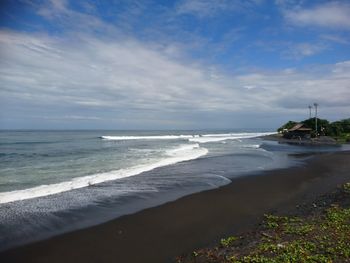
(229, 136)
(182, 148)
(254, 146)
(201, 138)
(176, 155)
(218, 134)
(155, 137)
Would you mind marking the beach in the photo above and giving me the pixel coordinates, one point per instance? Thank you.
(157, 131)
(161, 233)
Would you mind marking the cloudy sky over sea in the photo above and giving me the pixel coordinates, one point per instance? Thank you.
(184, 64)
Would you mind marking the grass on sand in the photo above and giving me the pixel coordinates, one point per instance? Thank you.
(321, 233)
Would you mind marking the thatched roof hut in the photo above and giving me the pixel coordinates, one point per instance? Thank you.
(298, 131)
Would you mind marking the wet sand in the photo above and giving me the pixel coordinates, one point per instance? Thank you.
(161, 233)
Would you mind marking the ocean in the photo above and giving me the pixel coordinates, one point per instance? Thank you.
(52, 182)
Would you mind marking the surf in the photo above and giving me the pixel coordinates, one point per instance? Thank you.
(200, 138)
(178, 154)
(154, 137)
(207, 138)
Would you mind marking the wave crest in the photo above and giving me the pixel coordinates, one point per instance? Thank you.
(180, 154)
(200, 138)
(223, 137)
(155, 137)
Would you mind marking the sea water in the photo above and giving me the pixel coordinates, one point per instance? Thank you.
(57, 181)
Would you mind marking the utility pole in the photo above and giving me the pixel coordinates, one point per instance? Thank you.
(310, 107)
(316, 105)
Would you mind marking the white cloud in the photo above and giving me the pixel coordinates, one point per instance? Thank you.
(60, 13)
(294, 90)
(81, 77)
(109, 73)
(336, 39)
(295, 50)
(300, 50)
(208, 8)
(329, 15)
(130, 82)
(201, 7)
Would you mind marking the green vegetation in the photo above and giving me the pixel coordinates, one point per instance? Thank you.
(287, 126)
(322, 236)
(346, 187)
(225, 242)
(339, 130)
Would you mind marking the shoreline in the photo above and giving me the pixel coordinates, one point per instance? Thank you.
(316, 232)
(161, 233)
(320, 141)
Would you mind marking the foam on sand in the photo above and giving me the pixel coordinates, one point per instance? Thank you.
(173, 156)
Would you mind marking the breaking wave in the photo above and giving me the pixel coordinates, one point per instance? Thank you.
(155, 137)
(223, 137)
(173, 156)
(200, 138)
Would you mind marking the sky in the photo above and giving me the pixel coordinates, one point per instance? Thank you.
(186, 64)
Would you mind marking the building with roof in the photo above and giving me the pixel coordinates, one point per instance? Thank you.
(298, 131)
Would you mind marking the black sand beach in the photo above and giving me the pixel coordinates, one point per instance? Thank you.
(161, 233)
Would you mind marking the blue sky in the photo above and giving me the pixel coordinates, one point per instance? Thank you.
(188, 64)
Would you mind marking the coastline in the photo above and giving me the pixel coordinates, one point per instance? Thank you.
(161, 233)
(320, 141)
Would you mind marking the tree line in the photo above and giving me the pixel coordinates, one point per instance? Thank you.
(324, 127)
